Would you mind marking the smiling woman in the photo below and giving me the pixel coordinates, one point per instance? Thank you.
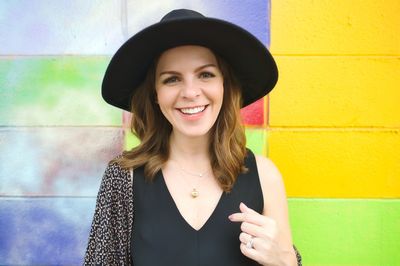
(154, 125)
(189, 88)
(190, 193)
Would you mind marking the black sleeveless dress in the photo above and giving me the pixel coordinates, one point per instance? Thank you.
(161, 236)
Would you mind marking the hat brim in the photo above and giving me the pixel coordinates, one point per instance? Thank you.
(251, 61)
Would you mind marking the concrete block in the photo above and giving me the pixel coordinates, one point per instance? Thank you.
(338, 163)
(54, 91)
(96, 27)
(336, 92)
(44, 231)
(57, 161)
(335, 27)
(346, 231)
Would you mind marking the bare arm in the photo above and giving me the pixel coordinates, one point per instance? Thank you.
(275, 206)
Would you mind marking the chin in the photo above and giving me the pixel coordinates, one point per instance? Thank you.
(194, 133)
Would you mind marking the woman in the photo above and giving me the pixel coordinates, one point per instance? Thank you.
(190, 193)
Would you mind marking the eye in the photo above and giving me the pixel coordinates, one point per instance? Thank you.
(170, 80)
(206, 75)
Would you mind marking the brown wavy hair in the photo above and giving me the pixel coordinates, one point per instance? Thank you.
(227, 148)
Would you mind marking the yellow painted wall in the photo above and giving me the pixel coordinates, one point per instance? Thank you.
(338, 163)
(334, 127)
(335, 27)
(334, 117)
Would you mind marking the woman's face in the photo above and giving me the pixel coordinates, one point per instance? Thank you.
(189, 87)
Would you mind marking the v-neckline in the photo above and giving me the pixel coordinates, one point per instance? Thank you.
(164, 184)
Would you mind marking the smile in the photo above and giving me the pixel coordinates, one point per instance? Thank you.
(193, 110)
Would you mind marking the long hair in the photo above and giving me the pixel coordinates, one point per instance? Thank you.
(227, 148)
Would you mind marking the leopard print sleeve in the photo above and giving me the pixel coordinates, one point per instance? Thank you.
(298, 256)
(109, 239)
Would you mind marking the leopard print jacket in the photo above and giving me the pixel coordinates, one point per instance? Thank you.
(110, 235)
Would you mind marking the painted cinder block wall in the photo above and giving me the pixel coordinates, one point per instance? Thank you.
(334, 127)
(331, 125)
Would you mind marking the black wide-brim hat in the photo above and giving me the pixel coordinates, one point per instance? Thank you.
(252, 63)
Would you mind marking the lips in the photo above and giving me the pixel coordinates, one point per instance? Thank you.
(192, 110)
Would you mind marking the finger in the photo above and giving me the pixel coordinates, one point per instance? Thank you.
(244, 237)
(250, 215)
(243, 208)
(258, 231)
(250, 252)
(255, 241)
(257, 218)
(252, 229)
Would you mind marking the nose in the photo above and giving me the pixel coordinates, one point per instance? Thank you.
(190, 89)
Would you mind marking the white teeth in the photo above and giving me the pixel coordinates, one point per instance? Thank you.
(193, 110)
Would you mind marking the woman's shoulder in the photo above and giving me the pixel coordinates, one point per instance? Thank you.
(267, 169)
(271, 180)
(115, 173)
(272, 185)
(114, 164)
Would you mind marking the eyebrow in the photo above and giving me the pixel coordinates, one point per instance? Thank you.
(196, 70)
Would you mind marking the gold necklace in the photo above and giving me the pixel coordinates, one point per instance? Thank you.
(194, 174)
(194, 193)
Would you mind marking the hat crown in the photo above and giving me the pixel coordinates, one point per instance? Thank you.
(181, 14)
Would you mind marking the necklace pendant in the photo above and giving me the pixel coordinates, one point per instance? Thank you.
(194, 193)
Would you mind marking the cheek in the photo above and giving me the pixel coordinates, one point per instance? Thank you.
(162, 97)
(219, 94)
(164, 101)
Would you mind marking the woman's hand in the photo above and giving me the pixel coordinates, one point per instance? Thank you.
(259, 237)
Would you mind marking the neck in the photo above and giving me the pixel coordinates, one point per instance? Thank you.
(190, 152)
